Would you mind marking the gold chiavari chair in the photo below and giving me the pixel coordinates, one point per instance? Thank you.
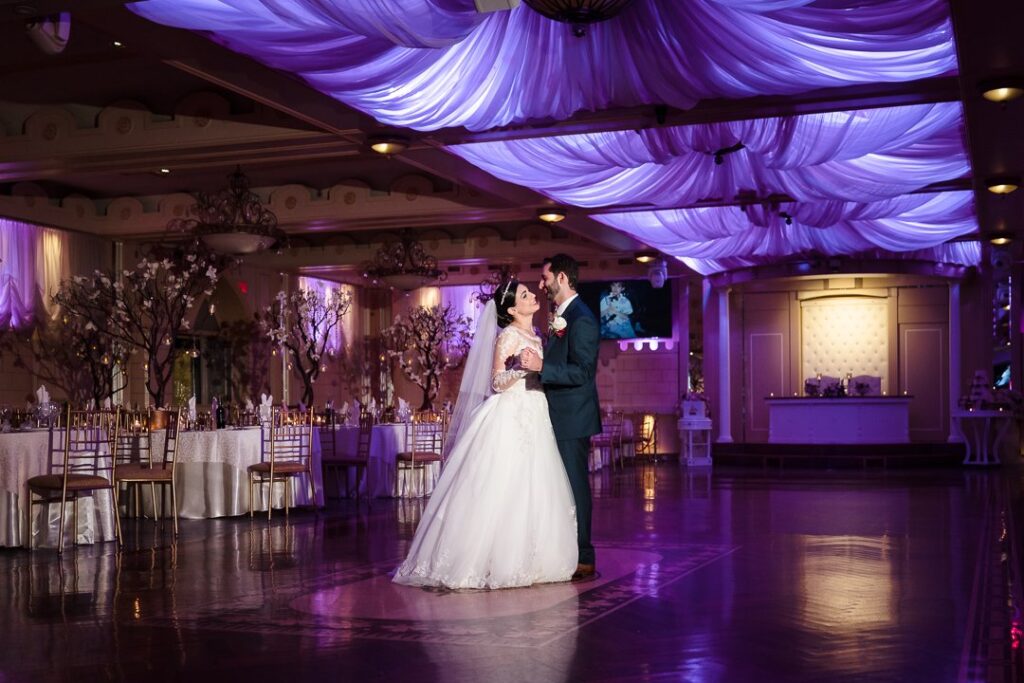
(132, 443)
(147, 470)
(80, 464)
(287, 452)
(358, 461)
(610, 440)
(424, 444)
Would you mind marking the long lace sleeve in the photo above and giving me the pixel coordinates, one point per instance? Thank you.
(506, 371)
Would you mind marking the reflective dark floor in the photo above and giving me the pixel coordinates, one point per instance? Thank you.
(739, 575)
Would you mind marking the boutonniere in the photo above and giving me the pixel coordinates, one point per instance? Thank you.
(557, 326)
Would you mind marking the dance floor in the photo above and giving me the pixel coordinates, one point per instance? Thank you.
(739, 575)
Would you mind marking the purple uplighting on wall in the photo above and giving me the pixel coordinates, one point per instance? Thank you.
(18, 291)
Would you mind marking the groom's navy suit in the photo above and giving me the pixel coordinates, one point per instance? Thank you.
(568, 375)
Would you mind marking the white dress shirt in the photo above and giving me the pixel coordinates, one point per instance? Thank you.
(564, 305)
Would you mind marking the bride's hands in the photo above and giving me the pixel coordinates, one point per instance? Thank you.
(531, 360)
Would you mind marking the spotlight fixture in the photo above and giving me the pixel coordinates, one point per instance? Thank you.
(1000, 241)
(788, 217)
(645, 256)
(1003, 184)
(388, 145)
(551, 214)
(1002, 90)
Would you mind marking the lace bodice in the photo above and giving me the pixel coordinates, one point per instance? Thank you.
(506, 375)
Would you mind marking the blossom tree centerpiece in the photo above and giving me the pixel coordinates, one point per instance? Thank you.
(426, 343)
(147, 307)
(64, 353)
(305, 324)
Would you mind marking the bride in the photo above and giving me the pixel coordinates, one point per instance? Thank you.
(502, 514)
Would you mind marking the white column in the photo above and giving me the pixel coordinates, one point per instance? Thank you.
(724, 393)
(954, 357)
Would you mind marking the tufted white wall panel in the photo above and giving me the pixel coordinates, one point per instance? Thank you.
(845, 334)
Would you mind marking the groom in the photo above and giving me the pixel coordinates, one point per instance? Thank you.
(567, 373)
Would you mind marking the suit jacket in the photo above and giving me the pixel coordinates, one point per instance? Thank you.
(569, 375)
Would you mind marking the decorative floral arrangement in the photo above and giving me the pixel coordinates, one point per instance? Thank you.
(303, 324)
(146, 307)
(426, 343)
(65, 354)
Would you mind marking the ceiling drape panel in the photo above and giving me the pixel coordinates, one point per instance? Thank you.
(859, 156)
(847, 177)
(705, 238)
(429, 64)
(957, 253)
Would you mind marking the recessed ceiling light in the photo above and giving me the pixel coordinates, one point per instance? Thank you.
(551, 215)
(645, 256)
(118, 43)
(1000, 241)
(1002, 90)
(165, 171)
(388, 145)
(1004, 184)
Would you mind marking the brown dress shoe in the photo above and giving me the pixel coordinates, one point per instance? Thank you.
(584, 572)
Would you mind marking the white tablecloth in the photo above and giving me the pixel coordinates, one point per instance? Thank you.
(24, 455)
(386, 441)
(211, 475)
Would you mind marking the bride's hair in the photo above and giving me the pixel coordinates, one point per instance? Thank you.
(504, 299)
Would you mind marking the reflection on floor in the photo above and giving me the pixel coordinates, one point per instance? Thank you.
(739, 575)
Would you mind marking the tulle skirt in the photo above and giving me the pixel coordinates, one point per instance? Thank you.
(502, 514)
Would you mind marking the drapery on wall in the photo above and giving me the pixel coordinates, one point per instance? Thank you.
(33, 261)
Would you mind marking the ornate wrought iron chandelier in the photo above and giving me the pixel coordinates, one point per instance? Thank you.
(487, 287)
(403, 265)
(578, 13)
(232, 221)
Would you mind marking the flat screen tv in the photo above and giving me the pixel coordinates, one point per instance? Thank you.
(629, 309)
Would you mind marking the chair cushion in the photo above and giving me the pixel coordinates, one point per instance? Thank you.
(76, 482)
(420, 456)
(139, 472)
(279, 467)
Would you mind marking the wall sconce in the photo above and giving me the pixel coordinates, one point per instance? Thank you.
(551, 215)
(388, 144)
(1002, 184)
(1001, 90)
(1000, 241)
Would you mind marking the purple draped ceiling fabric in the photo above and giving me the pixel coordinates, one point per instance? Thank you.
(18, 247)
(430, 64)
(858, 156)
(715, 238)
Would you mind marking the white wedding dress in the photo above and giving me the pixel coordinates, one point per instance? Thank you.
(502, 514)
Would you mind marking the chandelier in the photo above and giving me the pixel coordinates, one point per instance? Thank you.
(578, 13)
(403, 265)
(487, 287)
(232, 221)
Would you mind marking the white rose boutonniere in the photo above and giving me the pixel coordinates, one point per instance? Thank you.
(558, 326)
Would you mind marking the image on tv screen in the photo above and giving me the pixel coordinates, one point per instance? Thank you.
(629, 309)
